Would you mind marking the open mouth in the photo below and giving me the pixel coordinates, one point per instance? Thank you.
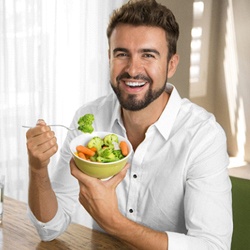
(135, 84)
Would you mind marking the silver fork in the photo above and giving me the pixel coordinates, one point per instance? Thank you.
(54, 125)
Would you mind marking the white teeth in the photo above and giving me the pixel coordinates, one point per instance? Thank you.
(135, 84)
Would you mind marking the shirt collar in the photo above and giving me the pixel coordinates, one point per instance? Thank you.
(167, 119)
(116, 117)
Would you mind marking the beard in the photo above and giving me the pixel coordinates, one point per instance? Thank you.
(131, 103)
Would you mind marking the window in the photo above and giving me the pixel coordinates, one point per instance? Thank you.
(53, 59)
(200, 47)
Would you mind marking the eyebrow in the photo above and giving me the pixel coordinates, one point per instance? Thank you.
(151, 51)
(119, 49)
(141, 50)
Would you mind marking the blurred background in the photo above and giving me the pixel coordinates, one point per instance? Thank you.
(54, 58)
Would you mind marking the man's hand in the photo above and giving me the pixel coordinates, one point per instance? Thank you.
(41, 145)
(98, 197)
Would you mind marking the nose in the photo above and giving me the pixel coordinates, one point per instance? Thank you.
(134, 66)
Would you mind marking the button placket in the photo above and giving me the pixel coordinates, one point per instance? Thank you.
(136, 168)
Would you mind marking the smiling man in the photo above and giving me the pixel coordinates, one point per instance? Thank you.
(139, 65)
(175, 193)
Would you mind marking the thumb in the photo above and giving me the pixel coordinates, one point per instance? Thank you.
(40, 122)
(116, 179)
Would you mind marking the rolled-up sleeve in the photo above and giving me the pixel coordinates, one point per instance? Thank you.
(52, 229)
(66, 189)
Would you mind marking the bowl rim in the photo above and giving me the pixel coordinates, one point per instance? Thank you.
(101, 163)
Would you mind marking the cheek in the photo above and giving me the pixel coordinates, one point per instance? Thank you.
(116, 68)
(111, 66)
(113, 72)
(159, 73)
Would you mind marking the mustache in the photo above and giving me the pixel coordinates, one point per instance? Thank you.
(137, 77)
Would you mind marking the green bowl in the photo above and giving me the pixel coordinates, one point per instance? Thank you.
(98, 169)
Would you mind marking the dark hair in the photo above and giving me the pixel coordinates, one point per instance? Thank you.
(149, 13)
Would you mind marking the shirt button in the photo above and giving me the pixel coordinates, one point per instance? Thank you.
(131, 210)
(135, 176)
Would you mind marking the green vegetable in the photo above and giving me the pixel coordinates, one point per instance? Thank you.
(85, 123)
(96, 142)
(105, 160)
(106, 153)
(110, 140)
(118, 154)
(93, 158)
(107, 149)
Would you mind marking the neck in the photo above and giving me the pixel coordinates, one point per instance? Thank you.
(137, 122)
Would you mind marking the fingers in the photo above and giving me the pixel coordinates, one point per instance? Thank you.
(41, 137)
(116, 179)
(38, 129)
(88, 180)
(78, 174)
(41, 144)
(98, 197)
(40, 122)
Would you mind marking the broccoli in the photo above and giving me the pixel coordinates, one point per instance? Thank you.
(85, 123)
(109, 155)
(95, 142)
(107, 149)
(106, 153)
(118, 154)
(101, 159)
(93, 158)
(110, 139)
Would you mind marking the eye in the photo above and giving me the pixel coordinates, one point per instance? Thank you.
(148, 55)
(121, 54)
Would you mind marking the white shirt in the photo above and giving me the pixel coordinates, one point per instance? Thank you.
(177, 183)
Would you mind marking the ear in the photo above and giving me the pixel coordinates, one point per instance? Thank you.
(172, 65)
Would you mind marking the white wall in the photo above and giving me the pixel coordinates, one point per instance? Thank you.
(184, 15)
(233, 76)
(228, 85)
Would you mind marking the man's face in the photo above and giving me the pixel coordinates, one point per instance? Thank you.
(138, 64)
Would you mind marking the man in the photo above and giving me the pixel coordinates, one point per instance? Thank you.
(176, 193)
